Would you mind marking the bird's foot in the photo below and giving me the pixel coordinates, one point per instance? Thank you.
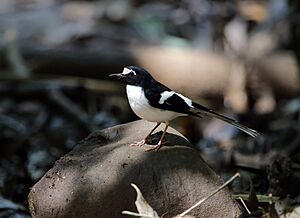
(139, 144)
(155, 147)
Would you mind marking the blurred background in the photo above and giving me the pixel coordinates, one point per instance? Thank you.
(240, 58)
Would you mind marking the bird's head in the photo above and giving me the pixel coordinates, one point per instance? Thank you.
(132, 75)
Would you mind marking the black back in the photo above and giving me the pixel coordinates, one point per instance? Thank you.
(153, 90)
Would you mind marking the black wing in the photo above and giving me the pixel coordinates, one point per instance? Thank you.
(153, 91)
(174, 103)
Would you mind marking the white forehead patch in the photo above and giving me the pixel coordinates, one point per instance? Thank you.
(127, 71)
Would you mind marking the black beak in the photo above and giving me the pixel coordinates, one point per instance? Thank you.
(117, 75)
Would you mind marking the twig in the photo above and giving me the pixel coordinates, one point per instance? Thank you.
(245, 206)
(210, 195)
(261, 198)
(136, 214)
(71, 108)
(12, 123)
(13, 54)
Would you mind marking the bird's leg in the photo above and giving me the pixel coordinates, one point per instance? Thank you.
(142, 142)
(159, 144)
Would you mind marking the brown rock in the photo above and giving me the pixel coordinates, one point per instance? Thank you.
(94, 179)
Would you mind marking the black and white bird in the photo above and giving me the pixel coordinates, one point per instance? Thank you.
(154, 102)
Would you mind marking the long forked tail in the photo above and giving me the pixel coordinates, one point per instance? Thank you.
(200, 110)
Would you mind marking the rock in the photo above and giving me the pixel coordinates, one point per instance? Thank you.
(94, 179)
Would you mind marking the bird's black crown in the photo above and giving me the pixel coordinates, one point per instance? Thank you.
(133, 75)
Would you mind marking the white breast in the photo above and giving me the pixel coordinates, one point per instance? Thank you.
(141, 107)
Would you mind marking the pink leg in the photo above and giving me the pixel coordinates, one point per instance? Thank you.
(159, 144)
(142, 142)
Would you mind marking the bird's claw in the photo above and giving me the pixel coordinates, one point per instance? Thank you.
(155, 147)
(138, 144)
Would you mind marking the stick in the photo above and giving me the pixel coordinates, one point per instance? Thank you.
(210, 195)
(13, 54)
(245, 206)
(135, 214)
(71, 108)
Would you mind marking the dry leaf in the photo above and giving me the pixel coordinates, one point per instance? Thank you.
(142, 205)
(144, 209)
